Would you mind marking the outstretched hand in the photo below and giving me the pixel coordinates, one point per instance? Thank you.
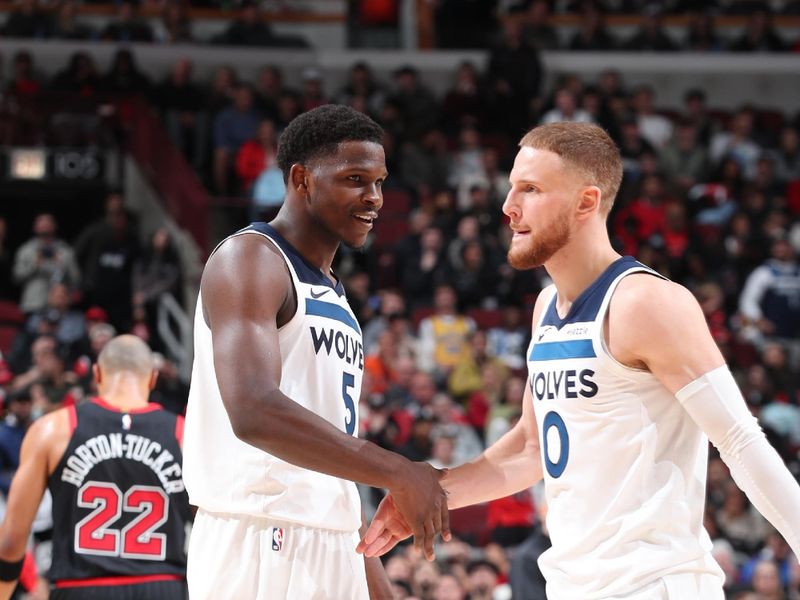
(387, 529)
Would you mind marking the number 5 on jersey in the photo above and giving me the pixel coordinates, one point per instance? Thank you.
(349, 382)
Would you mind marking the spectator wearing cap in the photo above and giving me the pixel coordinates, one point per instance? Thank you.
(41, 261)
(12, 431)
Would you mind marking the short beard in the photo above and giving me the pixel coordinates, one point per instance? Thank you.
(538, 251)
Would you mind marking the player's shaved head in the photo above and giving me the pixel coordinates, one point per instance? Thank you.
(126, 353)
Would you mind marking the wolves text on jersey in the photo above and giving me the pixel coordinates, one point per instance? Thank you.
(129, 446)
(348, 348)
(564, 384)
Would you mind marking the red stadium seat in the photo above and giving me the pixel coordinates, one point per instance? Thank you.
(793, 196)
(485, 318)
(771, 120)
(421, 313)
(470, 524)
(11, 320)
(396, 202)
(10, 313)
(390, 229)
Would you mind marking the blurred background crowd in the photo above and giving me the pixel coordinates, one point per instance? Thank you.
(710, 198)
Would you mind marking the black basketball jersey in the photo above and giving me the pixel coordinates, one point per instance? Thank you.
(119, 505)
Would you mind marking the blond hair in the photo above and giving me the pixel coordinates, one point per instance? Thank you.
(585, 148)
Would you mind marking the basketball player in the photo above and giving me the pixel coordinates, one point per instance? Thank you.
(624, 384)
(271, 428)
(113, 467)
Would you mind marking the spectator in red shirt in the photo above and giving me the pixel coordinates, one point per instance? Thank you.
(256, 155)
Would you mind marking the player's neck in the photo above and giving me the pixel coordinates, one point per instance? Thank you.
(577, 265)
(314, 245)
(125, 393)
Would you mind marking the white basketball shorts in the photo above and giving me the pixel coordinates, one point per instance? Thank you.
(241, 557)
(683, 586)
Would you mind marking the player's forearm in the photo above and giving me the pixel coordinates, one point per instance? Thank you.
(715, 403)
(508, 466)
(378, 584)
(7, 588)
(283, 428)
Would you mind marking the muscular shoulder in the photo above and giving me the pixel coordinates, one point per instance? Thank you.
(659, 325)
(244, 268)
(241, 255)
(643, 295)
(647, 313)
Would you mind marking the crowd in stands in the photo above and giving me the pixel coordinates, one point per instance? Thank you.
(456, 24)
(710, 198)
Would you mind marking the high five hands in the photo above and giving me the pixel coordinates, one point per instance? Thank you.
(388, 528)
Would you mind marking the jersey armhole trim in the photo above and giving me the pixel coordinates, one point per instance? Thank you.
(179, 424)
(72, 415)
(602, 347)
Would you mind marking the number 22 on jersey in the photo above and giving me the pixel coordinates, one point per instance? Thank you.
(94, 533)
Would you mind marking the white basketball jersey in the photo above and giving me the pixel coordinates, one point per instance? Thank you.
(624, 464)
(322, 364)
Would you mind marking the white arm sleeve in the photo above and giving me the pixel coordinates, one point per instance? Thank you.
(715, 403)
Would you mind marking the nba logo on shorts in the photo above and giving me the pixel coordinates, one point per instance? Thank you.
(277, 538)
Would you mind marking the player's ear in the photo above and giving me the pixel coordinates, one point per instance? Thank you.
(151, 384)
(588, 202)
(98, 374)
(298, 178)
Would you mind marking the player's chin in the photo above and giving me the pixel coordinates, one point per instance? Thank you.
(523, 259)
(355, 242)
